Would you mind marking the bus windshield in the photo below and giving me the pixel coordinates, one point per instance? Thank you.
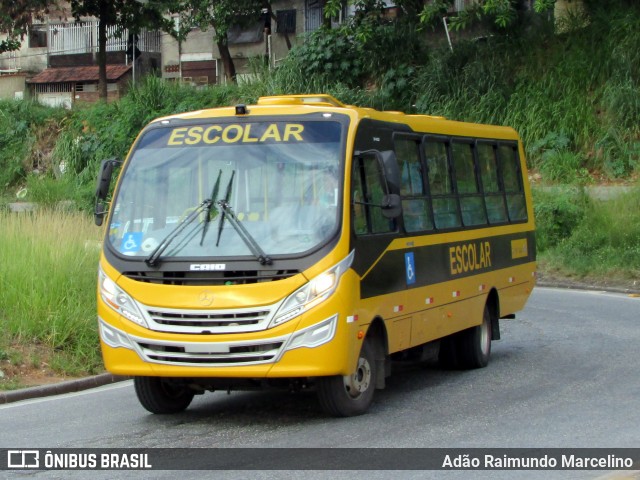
(186, 188)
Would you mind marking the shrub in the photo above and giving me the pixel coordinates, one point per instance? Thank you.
(558, 212)
(20, 123)
(606, 240)
(49, 260)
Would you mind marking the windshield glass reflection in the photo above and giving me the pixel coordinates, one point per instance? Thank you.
(283, 189)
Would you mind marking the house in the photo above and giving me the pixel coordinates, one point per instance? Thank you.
(64, 86)
(60, 54)
(60, 42)
(197, 60)
(12, 85)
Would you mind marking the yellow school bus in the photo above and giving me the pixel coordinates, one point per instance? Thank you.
(304, 243)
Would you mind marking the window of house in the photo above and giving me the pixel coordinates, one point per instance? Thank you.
(37, 36)
(286, 21)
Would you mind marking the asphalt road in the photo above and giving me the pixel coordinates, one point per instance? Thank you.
(565, 374)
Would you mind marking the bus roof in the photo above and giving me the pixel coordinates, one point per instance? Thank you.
(301, 104)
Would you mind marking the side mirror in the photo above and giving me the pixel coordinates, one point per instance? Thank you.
(102, 188)
(391, 206)
(104, 177)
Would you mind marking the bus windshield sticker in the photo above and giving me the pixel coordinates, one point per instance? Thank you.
(131, 243)
(229, 134)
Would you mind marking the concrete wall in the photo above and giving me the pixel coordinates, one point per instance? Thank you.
(562, 7)
(13, 86)
(565, 9)
(29, 60)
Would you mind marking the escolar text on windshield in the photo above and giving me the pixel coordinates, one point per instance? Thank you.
(236, 133)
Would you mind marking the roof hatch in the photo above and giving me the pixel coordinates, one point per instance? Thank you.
(301, 100)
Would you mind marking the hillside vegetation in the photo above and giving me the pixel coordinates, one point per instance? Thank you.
(573, 96)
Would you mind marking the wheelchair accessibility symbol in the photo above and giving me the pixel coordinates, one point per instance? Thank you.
(410, 268)
(131, 242)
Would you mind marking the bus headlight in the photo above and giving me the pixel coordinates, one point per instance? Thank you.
(312, 293)
(119, 300)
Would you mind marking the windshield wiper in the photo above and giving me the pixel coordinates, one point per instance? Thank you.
(244, 234)
(224, 214)
(214, 195)
(152, 259)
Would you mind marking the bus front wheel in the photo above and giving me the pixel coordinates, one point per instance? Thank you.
(350, 395)
(159, 396)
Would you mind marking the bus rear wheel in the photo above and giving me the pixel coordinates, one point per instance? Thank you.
(470, 348)
(157, 395)
(474, 347)
(350, 395)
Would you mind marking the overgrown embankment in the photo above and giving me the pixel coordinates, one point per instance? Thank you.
(574, 97)
(48, 271)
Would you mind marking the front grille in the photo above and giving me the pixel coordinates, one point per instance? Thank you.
(241, 277)
(214, 354)
(208, 321)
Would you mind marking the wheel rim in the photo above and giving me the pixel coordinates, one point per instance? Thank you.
(358, 383)
(485, 337)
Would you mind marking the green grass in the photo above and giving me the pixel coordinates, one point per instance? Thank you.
(606, 241)
(581, 237)
(48, 280)
(24, 127)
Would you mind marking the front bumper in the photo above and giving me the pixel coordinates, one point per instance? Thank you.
(315, 350)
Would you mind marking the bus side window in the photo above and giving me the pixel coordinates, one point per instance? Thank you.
(367, 196)
(493, 195)
(512, 181)
(443, 198)
(471, 201)
(415, 207)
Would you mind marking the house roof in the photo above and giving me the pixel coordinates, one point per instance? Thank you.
(79, 74)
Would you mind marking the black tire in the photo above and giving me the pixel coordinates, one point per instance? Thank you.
(474, 344)
(447, 356)
(159, 396)
(350, 395)
(468, 349)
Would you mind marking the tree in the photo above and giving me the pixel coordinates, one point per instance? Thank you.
(15, 19)
(133, 15)
(221, 15)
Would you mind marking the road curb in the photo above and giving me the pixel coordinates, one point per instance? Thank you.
(68, 386)
(586, 286)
